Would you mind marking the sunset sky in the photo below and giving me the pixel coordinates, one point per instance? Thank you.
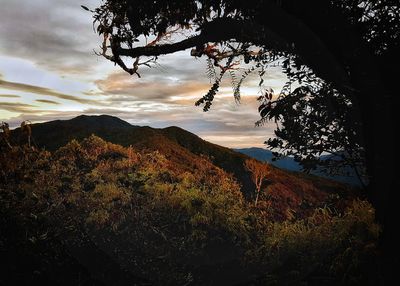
(48, 70)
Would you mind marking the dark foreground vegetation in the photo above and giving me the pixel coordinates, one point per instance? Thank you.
(97, 213)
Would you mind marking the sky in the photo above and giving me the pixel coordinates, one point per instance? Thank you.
(48, 71)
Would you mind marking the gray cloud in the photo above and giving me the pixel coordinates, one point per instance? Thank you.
(42, 91)
(180, 66)
(49, 32)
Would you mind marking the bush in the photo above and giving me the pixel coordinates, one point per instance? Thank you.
(340, 248)
(187, 226)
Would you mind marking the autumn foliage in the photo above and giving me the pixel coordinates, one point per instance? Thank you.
(98, 211)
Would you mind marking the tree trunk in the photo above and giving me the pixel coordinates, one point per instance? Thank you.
(257, 194)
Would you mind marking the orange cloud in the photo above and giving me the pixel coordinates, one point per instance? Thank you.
(119, 84)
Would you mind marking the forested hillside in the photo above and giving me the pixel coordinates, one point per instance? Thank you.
(96, 213)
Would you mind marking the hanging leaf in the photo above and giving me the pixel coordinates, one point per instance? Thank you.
(85, 8)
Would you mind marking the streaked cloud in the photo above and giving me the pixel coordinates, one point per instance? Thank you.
(9, 95)
(47, 101)
(41, 91)
(17, 107)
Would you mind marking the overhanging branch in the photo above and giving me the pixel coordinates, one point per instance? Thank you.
(292, 37)
(219, 30)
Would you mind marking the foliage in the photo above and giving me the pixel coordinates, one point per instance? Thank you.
(378, 21)
(312, 120)
(316, 245)
(92, 202)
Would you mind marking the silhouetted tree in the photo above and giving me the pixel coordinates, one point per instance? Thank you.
(341, 51)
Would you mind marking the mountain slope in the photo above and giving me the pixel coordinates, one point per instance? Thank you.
(223, 157)
(187, 151)
(131, 217)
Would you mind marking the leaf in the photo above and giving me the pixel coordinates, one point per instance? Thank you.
(85, 8)
(265, 111)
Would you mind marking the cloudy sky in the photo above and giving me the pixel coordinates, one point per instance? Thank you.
(48, 70)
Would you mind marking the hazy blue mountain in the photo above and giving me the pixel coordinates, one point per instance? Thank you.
(266, 155)
(288, 163)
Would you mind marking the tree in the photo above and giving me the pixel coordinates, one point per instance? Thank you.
(349, 46)
(259, 172)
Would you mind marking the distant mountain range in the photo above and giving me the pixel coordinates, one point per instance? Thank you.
(289, 163)
(261, 154)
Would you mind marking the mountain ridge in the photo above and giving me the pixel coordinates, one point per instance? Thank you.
(186, 151)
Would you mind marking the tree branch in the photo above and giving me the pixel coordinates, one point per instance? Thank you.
(218, 30)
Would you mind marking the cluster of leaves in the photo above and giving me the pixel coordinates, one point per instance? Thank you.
(254, 62)
(143, 212)
(314, 119)
(208, 98)
(378, 21)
